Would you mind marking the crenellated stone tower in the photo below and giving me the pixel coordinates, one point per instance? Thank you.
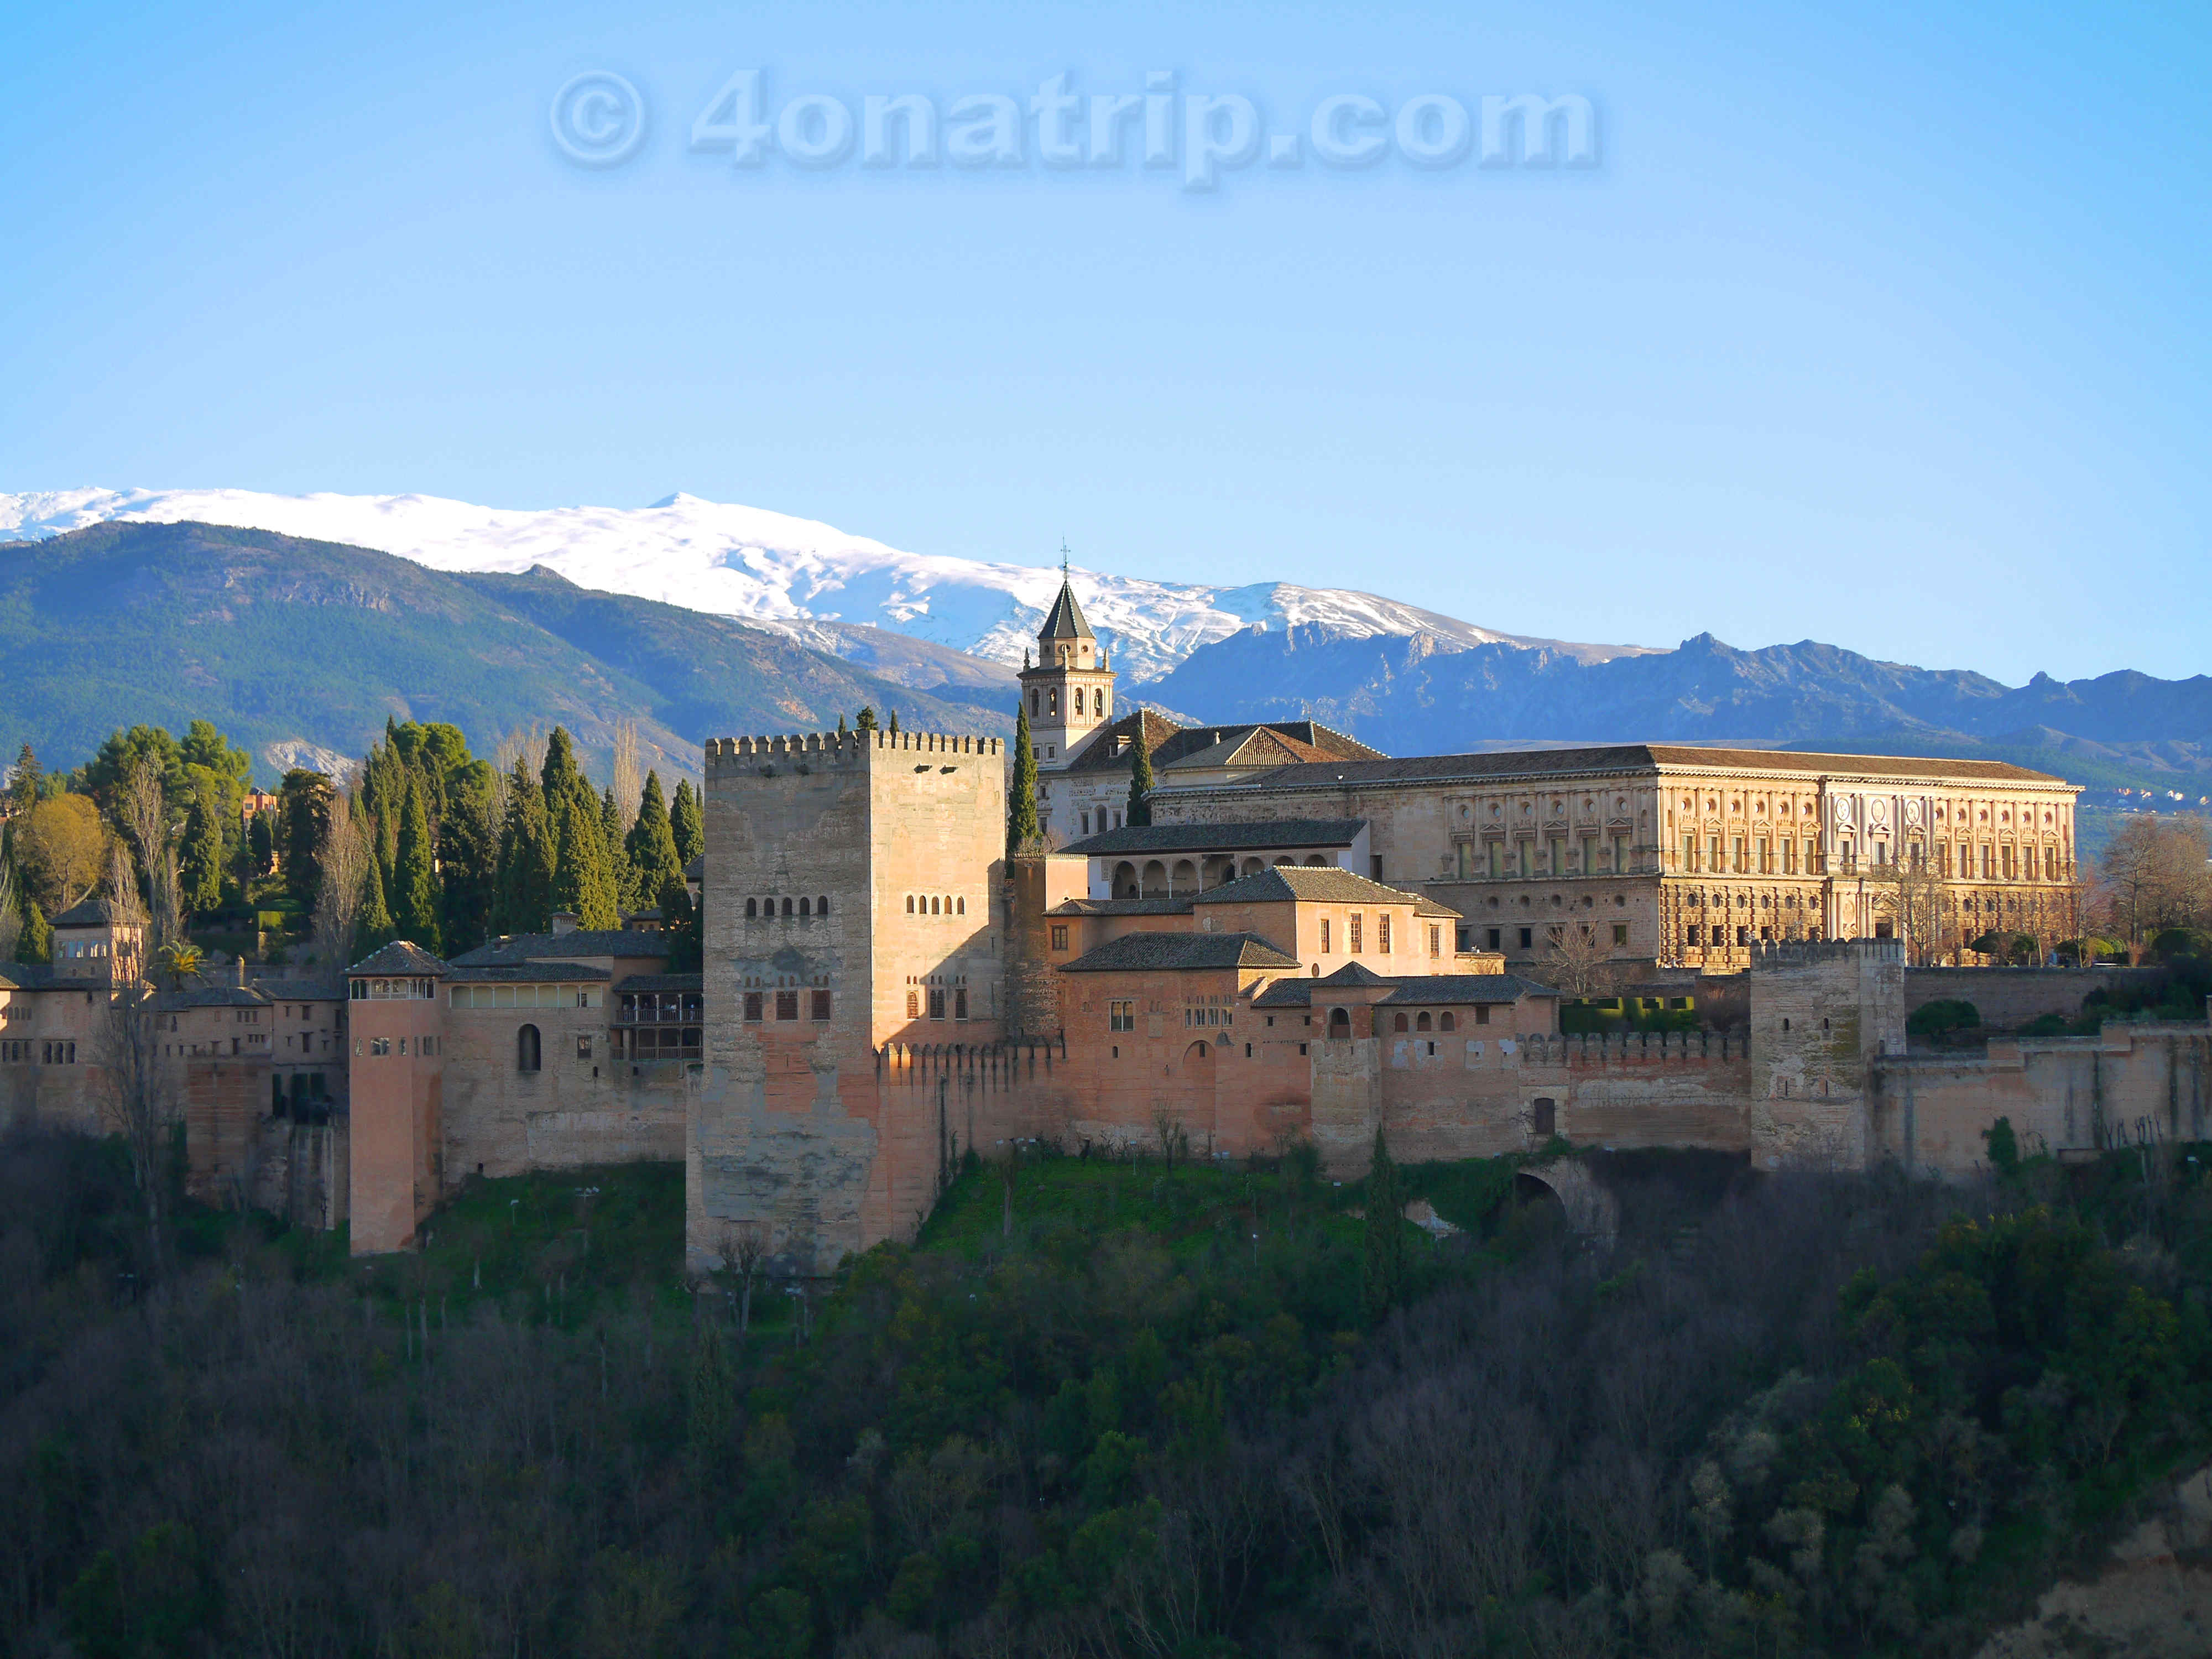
(1823, 1014)
(854, 882)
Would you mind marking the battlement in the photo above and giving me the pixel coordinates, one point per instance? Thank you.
(1804, 953)
(1635, 1049)
(841, 748)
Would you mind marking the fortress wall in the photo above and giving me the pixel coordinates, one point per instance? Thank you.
(2009, 998)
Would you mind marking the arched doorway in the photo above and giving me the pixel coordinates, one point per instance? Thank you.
(1125, 880)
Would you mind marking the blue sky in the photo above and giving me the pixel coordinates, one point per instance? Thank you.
(1885, 326)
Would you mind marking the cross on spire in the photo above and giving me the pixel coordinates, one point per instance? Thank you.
(1063, 558)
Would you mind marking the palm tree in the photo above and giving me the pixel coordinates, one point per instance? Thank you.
(181, 960)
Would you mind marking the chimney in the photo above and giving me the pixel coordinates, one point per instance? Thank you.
(564, 921)
(241, 972)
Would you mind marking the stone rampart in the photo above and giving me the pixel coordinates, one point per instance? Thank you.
(2009, 998)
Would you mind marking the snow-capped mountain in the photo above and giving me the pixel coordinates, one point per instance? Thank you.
(793, 575)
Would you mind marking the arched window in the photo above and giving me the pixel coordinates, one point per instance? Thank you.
(909, 904)
(822, 905)
(752, 909)
(768, 908)
(1339, 1023)
(806, 906)
(1398, 1023)
(1444, 1021)
(787, 907)
(961, 905)
(526, 1049)
(1422, 1024)
(1033, 701)
(1052, 702)
(1078, 700)
(932, 904)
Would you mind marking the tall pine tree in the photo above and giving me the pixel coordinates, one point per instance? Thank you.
(1021, 808)
(468, 859)
(1140, 778)
(650, 847)
(201, 857)
(1387, 1261)
(687, 824)
(583, 880)
(526, 858)
(416, 916)
(372, 927)
(35, 944)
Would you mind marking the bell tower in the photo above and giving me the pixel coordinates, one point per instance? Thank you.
(1069, 694)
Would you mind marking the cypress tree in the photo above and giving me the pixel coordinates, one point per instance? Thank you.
(895, 722)
(867, 720)
(840, 728)
(261, 843)
(619, 870)
(468, 859)
(650, 847)
(35, 944)
(583, 882)
(687, 824)
(201, 865)
(562, 779)
(417, 888)
(372, 928)
(1140, 779)
(1386, 1231)
(526, 858)
(1021, 810)
(680, 925)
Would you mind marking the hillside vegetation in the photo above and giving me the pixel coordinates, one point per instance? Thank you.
(277, 640)
(1101, 1408)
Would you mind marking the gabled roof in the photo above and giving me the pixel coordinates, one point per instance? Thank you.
(1324, 884)
(1425, 991)
(1353, 973)
(1065, 620)
(1259, 837)
(622, 944)
(521, 973)
(1106, 750)
(89, 913)
(1134, 952)
(34, 976)
(399, 960)
(1161, 905)
(301, 990)
(209, 996)
(1258, 746)
(1537, 764)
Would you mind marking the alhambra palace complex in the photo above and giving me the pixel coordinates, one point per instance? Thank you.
(1309, 941)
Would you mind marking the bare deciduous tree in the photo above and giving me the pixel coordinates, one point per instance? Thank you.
(1909, 893)
(2153, 876)
(629, 781)
(1577, 962)
(11, 913)
(141, 1099)
(742, 1249)
(344, 862)
(143, 805)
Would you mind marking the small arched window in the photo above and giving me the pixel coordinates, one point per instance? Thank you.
(1398, 1023)
(805, 908)
(1078, 700)
(1339, 1023)
(822, 905)
(1444, 1021)
(932, 904)
(962, 905)
(752, 909)
(909, 904)
(787, 907)
(1033, 702)
(526, 1049)
(1052, 702)
(1421, 1024)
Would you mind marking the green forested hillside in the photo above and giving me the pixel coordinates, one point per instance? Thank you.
(281, 640)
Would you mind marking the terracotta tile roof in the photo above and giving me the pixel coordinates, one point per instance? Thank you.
(88, 912)
(399, 959)
(1628, 757)
(33, 977)
(1427, 991)
(1257, 836)
(517, 973)
(1283, 882)
(620, 944)
(1178, 906)
(662, 982)
(1133, 952)
(1102, 754)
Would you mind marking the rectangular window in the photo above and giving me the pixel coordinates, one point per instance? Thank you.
(1589, 855)
(1060, 936)
(913, 1004)
(1496, 859)
(1324, 936)
(1527, 938)
(1382, 933)
(752, 1007)
(1491, 939)
(1482, 1014)
(1619, 853)
(1352, 931)
(820, 1008)
(1715, 850)
(1436, 941)
(1689, 852)
(1766, 856)
(1812, 858)
(787, 1005)
(936, 1002)
(1735, 854)
(1691, 933)
(1121, 1016)
(1620, 933)
(2007, 863)
(1743, 936)
(583, 1045)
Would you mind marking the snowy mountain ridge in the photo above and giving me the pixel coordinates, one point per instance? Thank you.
(798, 576)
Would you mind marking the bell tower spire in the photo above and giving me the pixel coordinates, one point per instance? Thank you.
(1069, 695)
